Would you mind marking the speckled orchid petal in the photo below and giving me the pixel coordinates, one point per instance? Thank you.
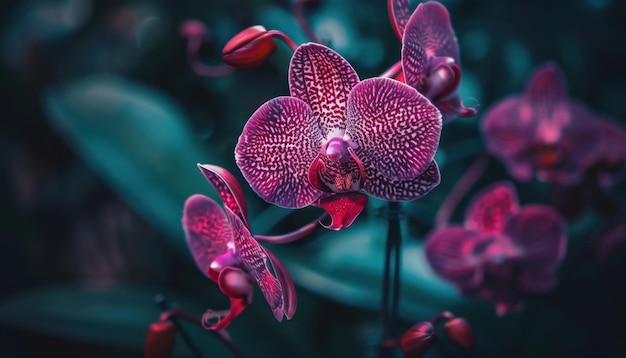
(323, 79)
(545, 88)
(254, 261)
(207, 230)
(399, 14)
(428, 33)
(290, 298)
(508, 127)
(389, 189)
(450, 251)
(276, 149)
(395, 128)
(491, 208)
(538, 232)
(343, 209)
(228, 189)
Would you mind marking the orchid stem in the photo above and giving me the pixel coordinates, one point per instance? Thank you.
(165, 306)
(286, 39)
(193, 46)
(393, 71)
(298, 12)
(294, 235)
(389, 311)
(173, 314)
(460, 189)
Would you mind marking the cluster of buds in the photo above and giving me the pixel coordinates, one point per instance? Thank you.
(418, 339)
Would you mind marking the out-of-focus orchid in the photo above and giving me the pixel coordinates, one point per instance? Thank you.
(225, 251)
(542, 132)
(335, 136)
(430, 55)
(502, 251)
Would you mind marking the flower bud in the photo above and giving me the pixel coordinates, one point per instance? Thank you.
(417, 340)
(460, 333)
(160, 340)
(249, 48)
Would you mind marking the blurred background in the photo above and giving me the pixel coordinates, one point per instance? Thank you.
(103, 122)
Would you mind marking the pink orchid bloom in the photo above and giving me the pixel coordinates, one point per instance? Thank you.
(502, 251)
(225, 251)
(430, 55)
(336, 136)
(542, 132)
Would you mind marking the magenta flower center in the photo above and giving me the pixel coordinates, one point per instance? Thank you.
(337, 150)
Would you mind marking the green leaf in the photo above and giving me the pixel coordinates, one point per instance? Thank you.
(347, 266)
(137, 139)
(116, 316)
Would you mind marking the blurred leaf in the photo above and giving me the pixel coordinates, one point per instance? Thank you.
(347, 266)
(137, 139)
(112, 316)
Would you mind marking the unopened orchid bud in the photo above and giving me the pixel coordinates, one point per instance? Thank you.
(249, 48)
(417, 340)
(160, 340)
(193, 28)
(460, 333)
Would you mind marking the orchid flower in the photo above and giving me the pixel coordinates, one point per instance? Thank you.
(542, 132)
(225, 251)
(430, 55)
(336, 136)
(502, 251)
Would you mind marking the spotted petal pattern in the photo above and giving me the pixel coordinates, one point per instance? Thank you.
(428, 33)
(227, 188)
(207, 230)
(389, 189)
(491, 208)
(395, 128)
(399, 14)
(276, 149)
(254, 260)
(323, 79)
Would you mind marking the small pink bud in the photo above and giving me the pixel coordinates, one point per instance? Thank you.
(460, 333)
(249, 48)
(160, 340)
(193, 28)
(417, 340)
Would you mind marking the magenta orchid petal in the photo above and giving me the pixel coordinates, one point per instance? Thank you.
(323, 79)
(545, 88)
(491, 208)
(276, 149)
(508, 127)
(450, 251)
(290, 298)
(228, 189)
(399, 14)
(395, 128)
(253, 259)
(538, 232)
(207, 230)
(428, 33)
(343, 208)
(389, 189)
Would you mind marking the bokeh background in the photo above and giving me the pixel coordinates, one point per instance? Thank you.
(103, 122)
